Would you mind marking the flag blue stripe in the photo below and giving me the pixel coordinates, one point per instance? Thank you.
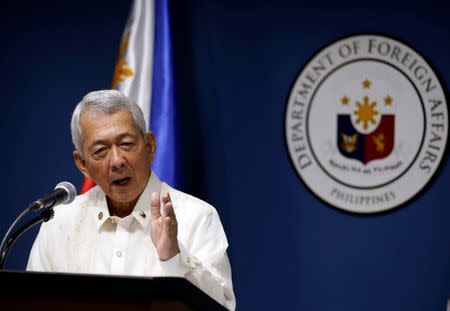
(163, 113)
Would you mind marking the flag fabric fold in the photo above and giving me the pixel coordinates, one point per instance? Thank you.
(163, 119)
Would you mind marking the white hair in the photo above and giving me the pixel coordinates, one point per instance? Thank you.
(103, 102)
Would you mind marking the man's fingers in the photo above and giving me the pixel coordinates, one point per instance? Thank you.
(166, 198)
(169, 221)
(171, 225)
(168, 210)
(155, 205)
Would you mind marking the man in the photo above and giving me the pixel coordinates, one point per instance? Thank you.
(131, 223)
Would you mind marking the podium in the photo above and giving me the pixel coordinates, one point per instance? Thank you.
(84, 292)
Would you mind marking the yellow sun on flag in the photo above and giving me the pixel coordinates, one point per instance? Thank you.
(122, 70)
(366, 112)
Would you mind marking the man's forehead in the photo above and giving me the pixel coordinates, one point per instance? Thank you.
(101, 114)
(95, 120)
(116, 125)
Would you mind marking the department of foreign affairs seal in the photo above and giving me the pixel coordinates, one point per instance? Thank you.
(366, 123)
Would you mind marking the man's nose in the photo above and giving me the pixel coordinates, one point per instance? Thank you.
(117, 159)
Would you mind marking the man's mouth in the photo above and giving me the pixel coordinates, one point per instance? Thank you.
(122, 181)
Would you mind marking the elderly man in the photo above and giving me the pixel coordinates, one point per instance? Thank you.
(131, 223)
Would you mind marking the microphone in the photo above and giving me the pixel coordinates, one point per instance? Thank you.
(64, 193)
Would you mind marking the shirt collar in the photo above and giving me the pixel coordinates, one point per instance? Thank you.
(101, 208)
(141, 211)
(143, 204)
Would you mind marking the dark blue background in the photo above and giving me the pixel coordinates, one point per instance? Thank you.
(236, 62)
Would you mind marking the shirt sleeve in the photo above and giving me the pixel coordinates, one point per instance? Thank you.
(176, 266)
(203, 260)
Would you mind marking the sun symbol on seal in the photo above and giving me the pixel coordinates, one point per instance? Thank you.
(366, 112)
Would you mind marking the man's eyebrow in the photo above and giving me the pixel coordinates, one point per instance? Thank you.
(126, 134)
(104, 141)
(98, 142)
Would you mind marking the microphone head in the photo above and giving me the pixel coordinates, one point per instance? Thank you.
(70, 189)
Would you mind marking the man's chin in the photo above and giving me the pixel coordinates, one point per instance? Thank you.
(123, 193)
(122, 201)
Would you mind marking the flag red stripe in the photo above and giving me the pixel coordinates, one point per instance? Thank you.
(86, 185)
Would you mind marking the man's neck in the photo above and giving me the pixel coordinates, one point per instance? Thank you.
(121, 209)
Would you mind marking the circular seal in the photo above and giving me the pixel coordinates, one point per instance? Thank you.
(366, 123)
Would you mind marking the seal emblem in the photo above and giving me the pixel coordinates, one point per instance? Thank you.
(366, 123)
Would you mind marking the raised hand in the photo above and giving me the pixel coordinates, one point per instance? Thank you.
(164, 227)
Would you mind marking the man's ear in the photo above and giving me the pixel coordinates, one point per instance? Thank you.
(151, 144)
(81, 163)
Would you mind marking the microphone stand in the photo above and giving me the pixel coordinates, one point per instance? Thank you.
(9, 239)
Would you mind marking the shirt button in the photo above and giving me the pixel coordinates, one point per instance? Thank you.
(100, 216)
(119, 254)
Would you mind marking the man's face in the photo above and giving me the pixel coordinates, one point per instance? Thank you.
(116, 156)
